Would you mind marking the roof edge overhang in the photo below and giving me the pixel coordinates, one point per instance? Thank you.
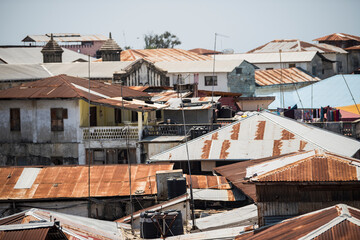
(304, 183)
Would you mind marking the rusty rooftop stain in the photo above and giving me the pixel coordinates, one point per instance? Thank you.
(206, 149)
(260, 130)
(225, 146)
(235, 132)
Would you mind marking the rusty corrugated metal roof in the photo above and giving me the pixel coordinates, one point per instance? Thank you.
(283, 76)
(203, 51)
(167, 95)
(336, 222)
(208, 182)
(357, 47)
(64, 86)
(261, 135)
(72, 181)
(236, 173)
(162, 54)
(294, 45)
(312, 166)
(338, 37)
(25, 234)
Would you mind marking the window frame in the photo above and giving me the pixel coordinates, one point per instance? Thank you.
(57, 116)
(15, 120)
(210, 79)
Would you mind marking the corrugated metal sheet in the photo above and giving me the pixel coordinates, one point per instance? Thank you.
(27, 178)
(207, 182)
(243, 141)
(33, 55)
(357, 47)
(72, 181)
(236, 217)
(312, 166)
(16, 72)
(224, 233)
(286, 57)
(338, 37)
(163, 54)
(333, 221)
(65, 37)
(167, 95)
(332, 92)
(196, 103)
(204, 51)
(283, 76)
(221, 66)
(26, 234)
(64, 87)
(294, 45)
(13, 219)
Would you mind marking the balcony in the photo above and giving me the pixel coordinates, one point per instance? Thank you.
(110, 133)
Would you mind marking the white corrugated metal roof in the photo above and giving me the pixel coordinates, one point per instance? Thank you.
(29, 55)
(269, 57)
(225, 233)
(27, 178)
(261, 135)
(332, 91)
(200, 66)
(238, 216)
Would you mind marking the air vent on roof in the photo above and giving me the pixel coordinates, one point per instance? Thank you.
(127, 98)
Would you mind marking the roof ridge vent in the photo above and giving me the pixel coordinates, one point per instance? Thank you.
(343, 211)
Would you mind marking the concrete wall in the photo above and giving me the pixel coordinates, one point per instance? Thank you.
(35, 121)
(242, 83)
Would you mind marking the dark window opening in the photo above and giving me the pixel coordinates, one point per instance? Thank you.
(93, 117)
(158, 114)
(15, 119)
(269, 68)
(134, 116)
(57, 118)
(210, 80)
(291, 65)
(167, 81)
(57, 160)
(238, 70)
(118, 115)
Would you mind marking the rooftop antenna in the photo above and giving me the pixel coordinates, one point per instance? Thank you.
(213, 81)
(282, 100)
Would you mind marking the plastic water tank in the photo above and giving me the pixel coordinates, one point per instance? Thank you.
(177, 227)
(176, 187)
(148, 229)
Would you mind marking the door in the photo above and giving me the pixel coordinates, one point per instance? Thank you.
(93, 117)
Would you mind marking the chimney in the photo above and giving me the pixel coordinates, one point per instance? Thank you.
(110, 50)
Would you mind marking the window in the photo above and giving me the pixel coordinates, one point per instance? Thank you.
(57, 160)
(211, 81)
(314, 70)
(158, 114)
(167, 81)
(15, 119)
(238, 70)
(134, 116)
(269, 68)
(57, 118)
(117, 115)
(291, 65)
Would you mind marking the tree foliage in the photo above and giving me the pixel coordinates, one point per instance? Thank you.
(165, 40)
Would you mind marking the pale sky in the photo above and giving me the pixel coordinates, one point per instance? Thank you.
(248, 24)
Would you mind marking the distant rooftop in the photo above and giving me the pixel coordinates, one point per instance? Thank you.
(338, 37)
(65, 37)
(162, 54)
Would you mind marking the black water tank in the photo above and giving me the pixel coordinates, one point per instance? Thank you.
(180, 186)
(177, 227)
(148, 229)
(171, 185)
(176, 187)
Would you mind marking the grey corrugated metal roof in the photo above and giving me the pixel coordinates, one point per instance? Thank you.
(14, 72)
(236, 217)
(332, 91)
(261, 135)
(29, 55)
(270, 57)
(225, 233)
(199, 66)
(81, 69)
(65, 37)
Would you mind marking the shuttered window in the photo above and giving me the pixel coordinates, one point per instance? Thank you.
(15, 119)
(57, 118)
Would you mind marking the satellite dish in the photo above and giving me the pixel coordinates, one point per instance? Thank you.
(228, 51)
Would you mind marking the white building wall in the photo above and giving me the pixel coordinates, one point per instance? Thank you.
(191, 78)
(264, 66)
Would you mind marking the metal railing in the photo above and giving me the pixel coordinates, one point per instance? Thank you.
(110, 133)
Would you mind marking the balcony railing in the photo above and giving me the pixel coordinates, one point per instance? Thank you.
(110, 133)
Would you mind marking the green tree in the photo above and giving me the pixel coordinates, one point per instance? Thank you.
(165, 40)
